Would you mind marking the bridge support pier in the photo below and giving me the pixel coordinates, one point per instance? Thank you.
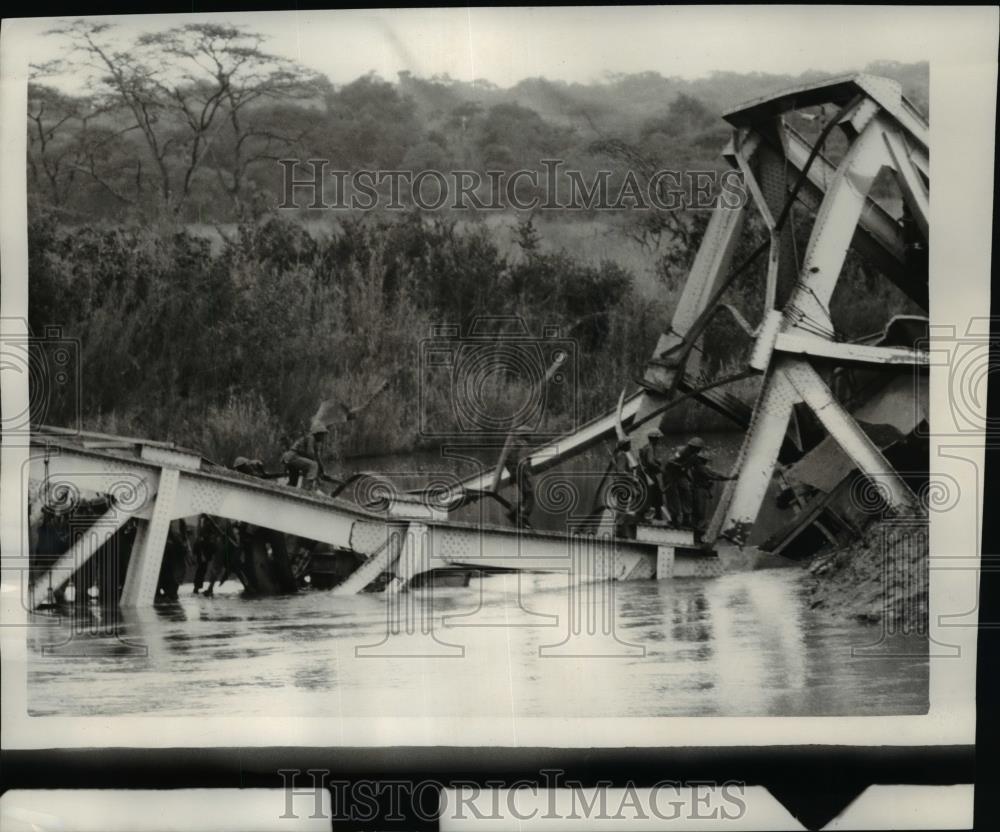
(664, 563)
(668, 541)
(414, 556)
(150, 539)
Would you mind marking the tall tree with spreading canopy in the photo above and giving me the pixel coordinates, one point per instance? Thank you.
(187, 91)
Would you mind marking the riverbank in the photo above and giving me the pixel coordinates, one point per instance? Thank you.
(881, 578)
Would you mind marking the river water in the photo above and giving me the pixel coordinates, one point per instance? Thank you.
(746, 643)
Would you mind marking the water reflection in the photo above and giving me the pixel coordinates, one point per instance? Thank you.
(743, 644)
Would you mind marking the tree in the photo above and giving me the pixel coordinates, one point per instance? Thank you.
(369, 124)
(655, 226)
(518, 137)
(51, 149)
(227, 74)
(181, 86)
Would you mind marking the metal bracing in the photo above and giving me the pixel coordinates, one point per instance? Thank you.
(833, 229)
(415, 558)
(383, 560)
(763, 204)
(710, 266)
(842, 352)
(911, 181)
(845, 213)
(83, 549)
(878, 237)
(875, 223)
(776, 180)
(741, 155)
(851, 438)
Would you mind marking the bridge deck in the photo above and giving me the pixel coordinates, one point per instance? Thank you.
(167, 484)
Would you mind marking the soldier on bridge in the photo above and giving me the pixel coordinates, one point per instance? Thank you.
(518, 467)
(688, 485)
(651, 461)
(304, 458)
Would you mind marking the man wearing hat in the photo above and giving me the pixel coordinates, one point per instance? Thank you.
(651, 461)
(304, 458)
(251, 467)
(678, 484)
(703, 479)
(518, 467)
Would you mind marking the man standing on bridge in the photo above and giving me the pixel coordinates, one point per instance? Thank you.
(304, 459)
(677, 484)
(703, 479)
(652, 463)
(688, 483)
(518, 467)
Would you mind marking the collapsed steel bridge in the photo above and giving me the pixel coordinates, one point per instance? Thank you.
(793, 350)
(795, 342)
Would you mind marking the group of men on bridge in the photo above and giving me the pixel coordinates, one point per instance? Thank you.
(679, 484)
(679, 488)
(254, 554)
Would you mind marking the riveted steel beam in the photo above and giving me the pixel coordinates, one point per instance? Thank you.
(741, 499)
(144, 564)
(815, 347)
(847, 433)
(834, 227)
(910, 181)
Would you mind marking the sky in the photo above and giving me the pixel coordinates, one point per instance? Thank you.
(507, 45)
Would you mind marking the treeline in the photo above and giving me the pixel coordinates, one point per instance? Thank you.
(188, 124)
(231, 350)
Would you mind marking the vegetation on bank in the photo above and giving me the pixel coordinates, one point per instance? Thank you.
(230, 350)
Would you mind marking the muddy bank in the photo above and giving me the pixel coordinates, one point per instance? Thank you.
(880, 578)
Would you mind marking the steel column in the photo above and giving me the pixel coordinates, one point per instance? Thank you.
(737, 510)
(147, 549)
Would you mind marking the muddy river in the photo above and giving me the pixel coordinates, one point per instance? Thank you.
(531, 645)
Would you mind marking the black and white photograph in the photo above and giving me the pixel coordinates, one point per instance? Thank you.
(527, 376)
